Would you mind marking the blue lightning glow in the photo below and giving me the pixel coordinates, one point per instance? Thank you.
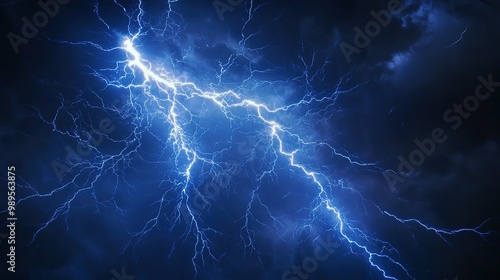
(156, 93)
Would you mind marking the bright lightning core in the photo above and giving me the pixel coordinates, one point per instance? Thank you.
(355, 239)
(198, 129)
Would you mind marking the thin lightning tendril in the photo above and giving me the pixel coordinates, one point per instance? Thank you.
(459, 39)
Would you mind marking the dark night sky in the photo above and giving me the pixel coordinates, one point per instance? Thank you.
(428, 58)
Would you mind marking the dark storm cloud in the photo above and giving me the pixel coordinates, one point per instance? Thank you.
(416, 74)
(418, 78)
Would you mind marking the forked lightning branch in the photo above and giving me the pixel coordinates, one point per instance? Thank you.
(135, 72)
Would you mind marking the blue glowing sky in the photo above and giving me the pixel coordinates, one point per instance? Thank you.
(244, 140)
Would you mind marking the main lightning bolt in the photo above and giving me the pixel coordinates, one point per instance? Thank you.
(157, 93)
(225, 102)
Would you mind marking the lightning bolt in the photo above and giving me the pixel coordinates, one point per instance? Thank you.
(159, 99)
(459, 39)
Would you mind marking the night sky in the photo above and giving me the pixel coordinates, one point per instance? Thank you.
(237, 139)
